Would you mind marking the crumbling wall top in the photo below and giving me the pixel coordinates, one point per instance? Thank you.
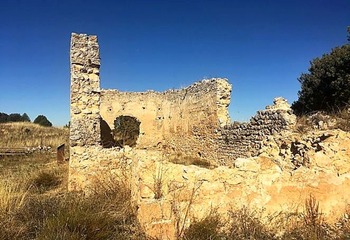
(84, 50)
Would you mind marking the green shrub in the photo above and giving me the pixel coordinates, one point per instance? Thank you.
(14, 117)
(327, 85)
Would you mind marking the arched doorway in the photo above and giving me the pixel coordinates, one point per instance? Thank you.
(126, 131)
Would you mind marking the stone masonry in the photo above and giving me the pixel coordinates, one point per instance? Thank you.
(193, 121)
(251, 163)
(246, 139)
(184, 120)
(85, 91)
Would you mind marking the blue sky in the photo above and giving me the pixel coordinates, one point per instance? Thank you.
(262, 47)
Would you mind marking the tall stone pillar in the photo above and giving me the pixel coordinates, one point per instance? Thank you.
(85, 91)
(85, 135)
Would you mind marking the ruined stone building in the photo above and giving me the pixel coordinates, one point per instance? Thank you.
(192, 122)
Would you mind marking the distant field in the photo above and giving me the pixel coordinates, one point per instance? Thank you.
(24, 134)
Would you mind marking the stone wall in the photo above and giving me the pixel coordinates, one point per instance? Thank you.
(195, 121)
(246, 139)
(90, 165)
(272, 186)
(182, 120)
(190, 122)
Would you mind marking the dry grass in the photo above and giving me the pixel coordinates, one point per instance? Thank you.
(338, 119)
(207, 228)
(35, 204)
(242, 224)
(343, 119)
(182, 159)
(103, 215)
(302, 125)
(46, 180)
(23, 134)
(22, 166)
(245, 224)
(13, 193)
(17, 190)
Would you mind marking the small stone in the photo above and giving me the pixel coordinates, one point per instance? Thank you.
(87, 111)
(75, 110)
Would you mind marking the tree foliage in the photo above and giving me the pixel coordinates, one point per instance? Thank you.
(25, 117)
(126, 131)
(13, 117)
(326, 86)
(43, 121)
(3, 117)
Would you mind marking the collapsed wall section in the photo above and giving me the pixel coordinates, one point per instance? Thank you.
(240, 140)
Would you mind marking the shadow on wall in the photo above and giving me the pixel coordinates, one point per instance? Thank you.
(107, 139)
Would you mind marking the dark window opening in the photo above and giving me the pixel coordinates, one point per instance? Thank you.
(126, 131)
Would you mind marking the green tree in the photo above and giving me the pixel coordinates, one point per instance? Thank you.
(3, 117)
(43, 121)
(15, 117)
(326, 86)
(25, 118)
(126, 131)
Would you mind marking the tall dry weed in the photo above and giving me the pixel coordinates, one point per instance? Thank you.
(247, 224)
(13, 194)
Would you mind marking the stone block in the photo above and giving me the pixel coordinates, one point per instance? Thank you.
(247, 164)
(154, 211)
(162, 230)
